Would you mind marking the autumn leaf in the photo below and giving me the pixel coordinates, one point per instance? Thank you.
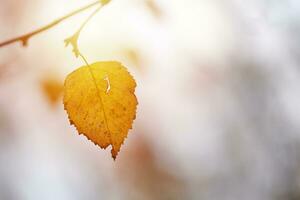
(101, 103)
(52, 89)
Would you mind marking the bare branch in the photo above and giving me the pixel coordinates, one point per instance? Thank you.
(24, 38)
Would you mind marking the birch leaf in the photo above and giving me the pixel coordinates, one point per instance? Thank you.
(101, 103)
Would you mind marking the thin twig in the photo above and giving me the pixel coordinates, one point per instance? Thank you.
(24, 38)
(73, 40)
(89, 18)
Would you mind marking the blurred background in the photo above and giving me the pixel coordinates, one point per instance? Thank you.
(218, 85)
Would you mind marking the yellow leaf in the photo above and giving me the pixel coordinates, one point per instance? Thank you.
(52, 88)
(101, 103)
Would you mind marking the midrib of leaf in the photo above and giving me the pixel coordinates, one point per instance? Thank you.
(98, 94)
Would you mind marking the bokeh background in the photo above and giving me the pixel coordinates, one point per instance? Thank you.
(218, 89)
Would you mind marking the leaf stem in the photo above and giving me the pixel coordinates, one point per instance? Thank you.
(84, 59)
(24, 38)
